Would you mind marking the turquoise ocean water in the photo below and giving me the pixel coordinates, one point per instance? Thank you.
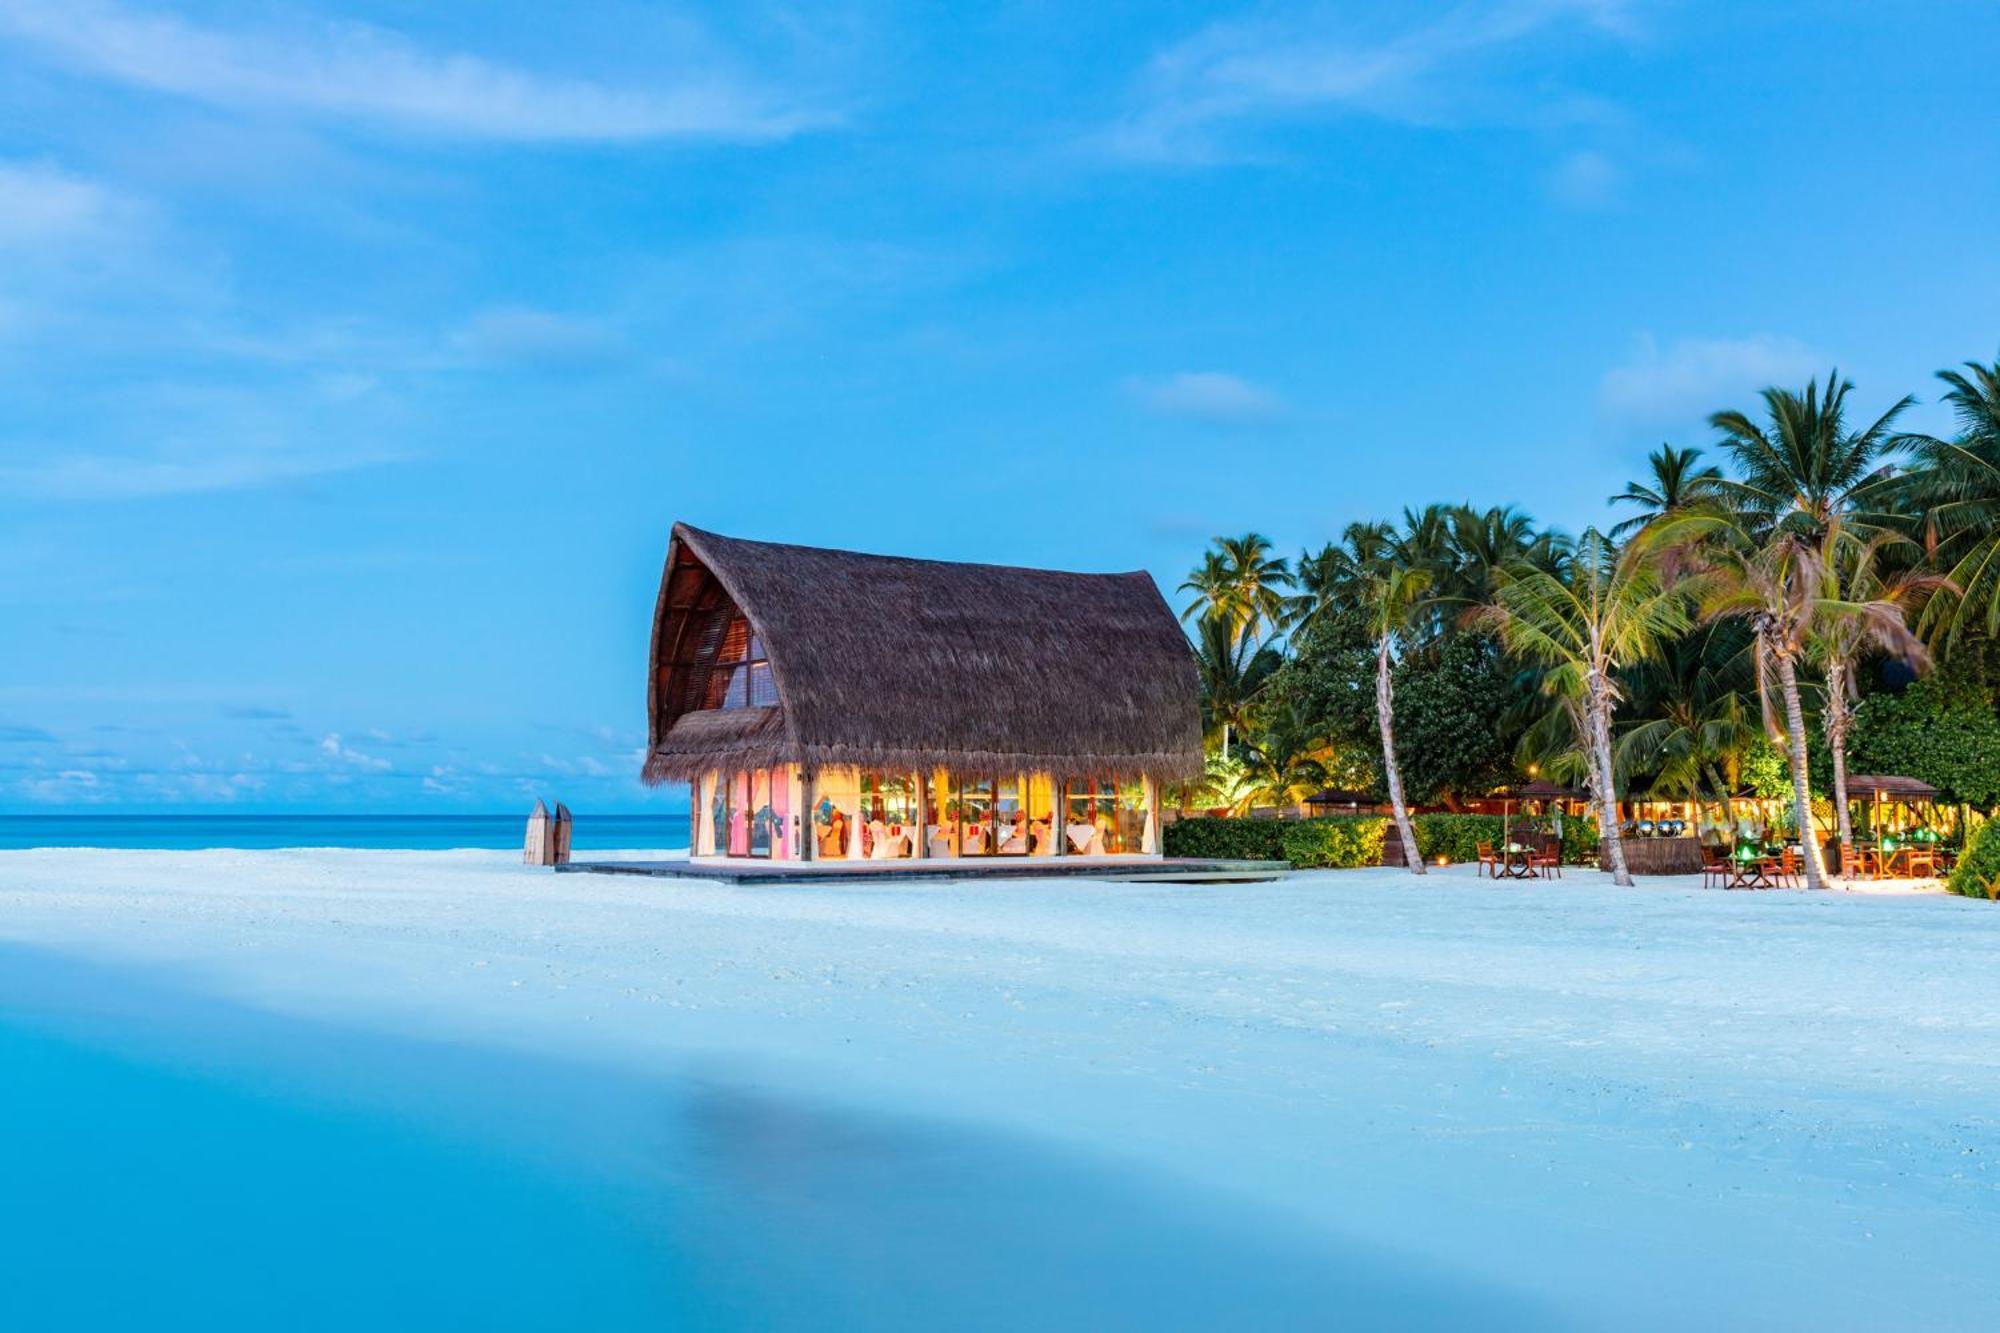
(168, 1162)
(413, 832)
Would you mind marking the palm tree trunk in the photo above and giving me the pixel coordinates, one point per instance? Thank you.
(1607, 793)
(1795, 721)
(1836, 744)
(1392, 775)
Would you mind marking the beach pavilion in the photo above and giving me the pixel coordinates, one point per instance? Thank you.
(831, 706)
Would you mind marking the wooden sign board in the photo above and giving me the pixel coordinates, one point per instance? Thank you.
(540, 849)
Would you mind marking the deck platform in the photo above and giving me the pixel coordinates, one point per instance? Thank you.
(1124, 870)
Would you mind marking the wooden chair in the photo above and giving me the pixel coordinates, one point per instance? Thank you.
(1549, 859)
(1790, 867)
(1715, 870)
(1489, 864)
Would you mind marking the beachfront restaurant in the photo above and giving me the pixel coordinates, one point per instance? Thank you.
(830, 706)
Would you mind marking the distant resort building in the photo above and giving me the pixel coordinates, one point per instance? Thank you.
(831, 706)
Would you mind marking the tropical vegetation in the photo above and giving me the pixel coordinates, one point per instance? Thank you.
(1816, 592)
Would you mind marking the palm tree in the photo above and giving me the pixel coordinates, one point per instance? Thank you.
(1806, 468)
(1231, 669)
(1679, 481)
(1955, 485)
(1480, 547)
(1612, 610)
(1258, 580)
(1241, 580)
(1392, 580)
(1690, 722)
(1288, 763)
(1775, 579)
(1211, 584)
(1866, 610)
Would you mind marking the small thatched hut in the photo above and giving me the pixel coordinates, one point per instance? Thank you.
(831, 705)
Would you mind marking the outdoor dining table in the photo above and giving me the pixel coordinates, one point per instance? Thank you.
(1756, 872)
(1909, 863)
(1517, 862)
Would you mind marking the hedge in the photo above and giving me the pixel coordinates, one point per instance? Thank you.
(1977, 874)
(1455, 836)
(1338, 842)
(1459, 836)
(1348, 842)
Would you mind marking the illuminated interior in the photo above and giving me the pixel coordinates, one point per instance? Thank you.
(846, 814)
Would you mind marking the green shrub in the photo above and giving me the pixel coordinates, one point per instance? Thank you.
(1459, 836)
(1337, 843)
(1227, 839)
(1580, 842)
(1342, 842)
(1977, 874)
(1455, 836)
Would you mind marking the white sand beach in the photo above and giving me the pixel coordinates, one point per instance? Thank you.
(1647, 1107)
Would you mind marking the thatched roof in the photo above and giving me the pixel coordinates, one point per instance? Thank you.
(885, 662)
(1342, 796)
(1889, 787)
(1538, 789)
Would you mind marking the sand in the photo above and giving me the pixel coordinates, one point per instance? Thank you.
(1647, 1107)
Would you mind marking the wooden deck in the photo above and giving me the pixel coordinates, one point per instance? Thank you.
(1124, 870)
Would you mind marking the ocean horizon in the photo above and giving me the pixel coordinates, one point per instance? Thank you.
(265, 832)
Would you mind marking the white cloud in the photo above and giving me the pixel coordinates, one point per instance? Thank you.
(152, 439)
(332, 746)
(103, 476)
(71, 785)
(43, 205)
(1209, 395)
(1586, 179)
(1680, 385)
(521, 336)
(1300, 63)
(351, 71)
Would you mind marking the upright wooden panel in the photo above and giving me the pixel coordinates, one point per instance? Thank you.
(539, 849)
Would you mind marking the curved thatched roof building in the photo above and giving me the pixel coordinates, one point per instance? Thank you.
(766, 655)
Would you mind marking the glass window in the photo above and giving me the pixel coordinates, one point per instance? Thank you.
(1010, 816)
(762, 817)
(941, 817)
(736, 814)
(975, 817)
(1104, 818)
(1042, 831)
(888, 816)
(836, 802)
(717, 816)
(741, 676)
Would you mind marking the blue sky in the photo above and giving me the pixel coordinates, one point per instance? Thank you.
(355, 360)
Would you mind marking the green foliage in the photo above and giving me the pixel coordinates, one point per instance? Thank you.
(1579, 842)
(1451, 706)
(1452, 703)
(1766, 772)
(1941, 729)
(1458, 836)
(1341, 842)
(1977, 874)
(1346, 842)
(1455, 836)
